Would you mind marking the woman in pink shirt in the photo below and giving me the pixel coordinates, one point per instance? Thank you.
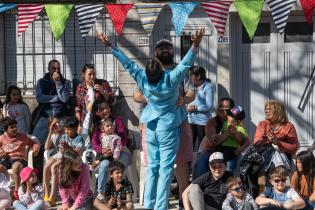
(74, 189)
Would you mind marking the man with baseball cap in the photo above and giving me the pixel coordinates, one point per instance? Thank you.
(208, 191)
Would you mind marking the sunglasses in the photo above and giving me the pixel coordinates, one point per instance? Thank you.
(216, 166)
(238, 189)
(279, 180)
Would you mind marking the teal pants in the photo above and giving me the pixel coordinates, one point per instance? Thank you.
(162, 147)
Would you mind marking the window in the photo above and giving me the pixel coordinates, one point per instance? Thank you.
(185, 44)
(262, 34)
(298, 32)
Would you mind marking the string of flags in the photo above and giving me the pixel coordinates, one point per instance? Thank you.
(217, 10)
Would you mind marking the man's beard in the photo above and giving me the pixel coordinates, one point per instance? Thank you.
(166, 60)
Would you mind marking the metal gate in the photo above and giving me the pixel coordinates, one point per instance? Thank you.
(27, 56)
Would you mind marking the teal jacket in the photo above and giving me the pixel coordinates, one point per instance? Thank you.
(163, 95)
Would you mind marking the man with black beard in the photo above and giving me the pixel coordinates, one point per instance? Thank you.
(165, 53)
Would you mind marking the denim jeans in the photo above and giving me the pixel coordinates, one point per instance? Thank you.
(124, 158)
(38, 205)
(202, 164)
(41, 130)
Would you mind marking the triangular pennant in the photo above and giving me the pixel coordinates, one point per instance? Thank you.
(249, 12)
(148, 13)
(58, 15)
(5, 7)
(181, 11)
(26, 15)
(87, 14)
(280, 10)
(218, 12)
(308, 7)
(118, 13)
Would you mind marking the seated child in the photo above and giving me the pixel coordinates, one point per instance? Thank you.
(118, 191)
(237, 198)
(279, 195)
(30, 191)
(50, 168)
(109, 140)
(13, 152)
(236, 136)
(5, 198)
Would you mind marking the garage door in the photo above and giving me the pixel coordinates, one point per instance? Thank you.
(275, 66)
(26, 57)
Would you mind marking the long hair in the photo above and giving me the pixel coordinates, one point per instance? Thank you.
(24, 185)
(69, 158)
(278, 112)
(154, 71)
(308, 169)
(199, 71)
(9, 91)
(86, 67)
(94, 119)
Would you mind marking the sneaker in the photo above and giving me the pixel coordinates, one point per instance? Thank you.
(100, 197)
(46, 198)
(15, 195)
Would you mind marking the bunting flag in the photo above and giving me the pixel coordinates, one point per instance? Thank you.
(218, 13)
(181, 11)
(280, 10)
(118, 13)
(308, 7)
(5, 7)
(58, 15)
(87, 14)
(27, 13)
(249, 12)
(148, 13)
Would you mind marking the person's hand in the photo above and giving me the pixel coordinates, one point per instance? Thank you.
(180, 101)
(53, 123)
(99, 88)
(119, 201)
(103, 38)
(191, 108)
(271, 138)
(56, 77)
(107, 152)
(79, 129)
(36, 152)
(275, 203)
(196, 39)
(64, 207)
(29, 187)
(72, 208)
(111, 201)
(288, 205)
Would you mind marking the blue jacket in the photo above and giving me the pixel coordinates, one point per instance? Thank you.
(162, 96)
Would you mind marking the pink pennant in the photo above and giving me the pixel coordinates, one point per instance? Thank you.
(308, 7)
(118, 13)
(27, 13)
(218, 13)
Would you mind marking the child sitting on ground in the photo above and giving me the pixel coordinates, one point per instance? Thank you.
(118, 193)
(109, 140)
(13, 153)
(30, 191)
(5, 198)
(236, 139)
(50, 168)
(238, 198)
(280, 196)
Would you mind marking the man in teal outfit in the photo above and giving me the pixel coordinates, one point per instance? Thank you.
(162, 116)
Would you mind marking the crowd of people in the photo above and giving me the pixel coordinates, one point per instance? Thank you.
(178, 117)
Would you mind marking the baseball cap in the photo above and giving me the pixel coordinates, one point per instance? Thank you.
(164, 42)
(26, 172)
(216, 157)
(237, 112)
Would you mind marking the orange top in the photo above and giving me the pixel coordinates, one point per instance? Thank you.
(286, 135)
(16, 146)
(304, 188)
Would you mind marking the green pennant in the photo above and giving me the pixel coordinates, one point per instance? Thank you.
(58, 15)
(249, 12)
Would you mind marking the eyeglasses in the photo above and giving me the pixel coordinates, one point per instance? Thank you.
(238, 189)
(279, 180)
(165, 47)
